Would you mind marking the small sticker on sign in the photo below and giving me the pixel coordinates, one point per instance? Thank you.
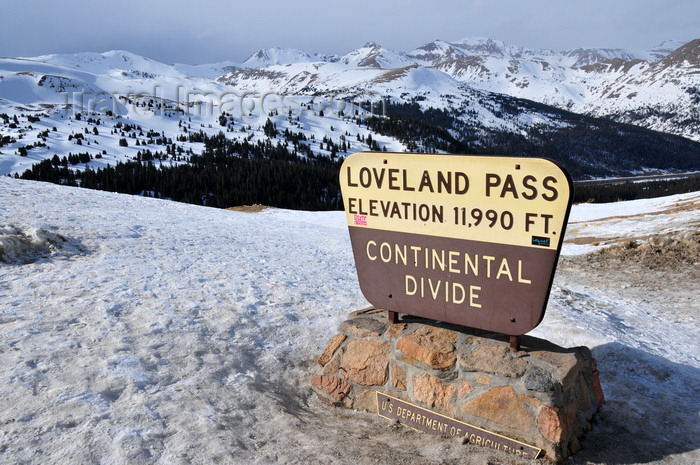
(360, 220)
(543, 241)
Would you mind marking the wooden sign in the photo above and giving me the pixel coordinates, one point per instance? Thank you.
(470, 240)
(428, 421)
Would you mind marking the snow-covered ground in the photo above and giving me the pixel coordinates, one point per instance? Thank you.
(142, 331)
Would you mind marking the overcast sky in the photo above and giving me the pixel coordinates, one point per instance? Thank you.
(206, 31)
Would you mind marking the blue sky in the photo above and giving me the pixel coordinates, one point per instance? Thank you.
(205, 31)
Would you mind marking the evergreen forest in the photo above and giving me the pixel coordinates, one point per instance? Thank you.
(232, 172)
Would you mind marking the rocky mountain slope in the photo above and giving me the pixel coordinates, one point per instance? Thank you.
(657, 89)
(589, 109)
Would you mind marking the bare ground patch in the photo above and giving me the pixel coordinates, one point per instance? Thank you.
(660, 269)
(659, 253)
(22, 245)
(681, 220)
(255, 208)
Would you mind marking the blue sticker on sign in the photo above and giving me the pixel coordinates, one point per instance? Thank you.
(543, 241)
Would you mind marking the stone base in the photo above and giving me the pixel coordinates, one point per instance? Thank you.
(543, 395)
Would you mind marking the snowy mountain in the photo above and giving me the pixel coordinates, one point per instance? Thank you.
(492, 48)
(582, 57)
(615, 83)
(581, 80)
(663, 49)
(372, 55)
(283, 56)
(585, 81)
(474, 94)
(662, 95)
(136, 330)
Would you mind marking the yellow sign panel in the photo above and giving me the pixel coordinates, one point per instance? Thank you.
(507, 200)
(471, 240)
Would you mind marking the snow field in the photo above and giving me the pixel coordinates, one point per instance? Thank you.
(165, 333)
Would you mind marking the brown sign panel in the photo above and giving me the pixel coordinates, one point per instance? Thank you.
(428, 421)
(470, 240)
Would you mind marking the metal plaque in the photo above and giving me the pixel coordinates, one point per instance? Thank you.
(470, 240)
(431, 422)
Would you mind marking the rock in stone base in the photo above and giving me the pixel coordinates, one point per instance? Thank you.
(543, 395)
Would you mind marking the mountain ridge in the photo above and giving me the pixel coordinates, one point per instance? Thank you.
(614, 116)
(579, 80)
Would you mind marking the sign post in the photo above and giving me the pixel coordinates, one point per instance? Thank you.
(469, 240)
